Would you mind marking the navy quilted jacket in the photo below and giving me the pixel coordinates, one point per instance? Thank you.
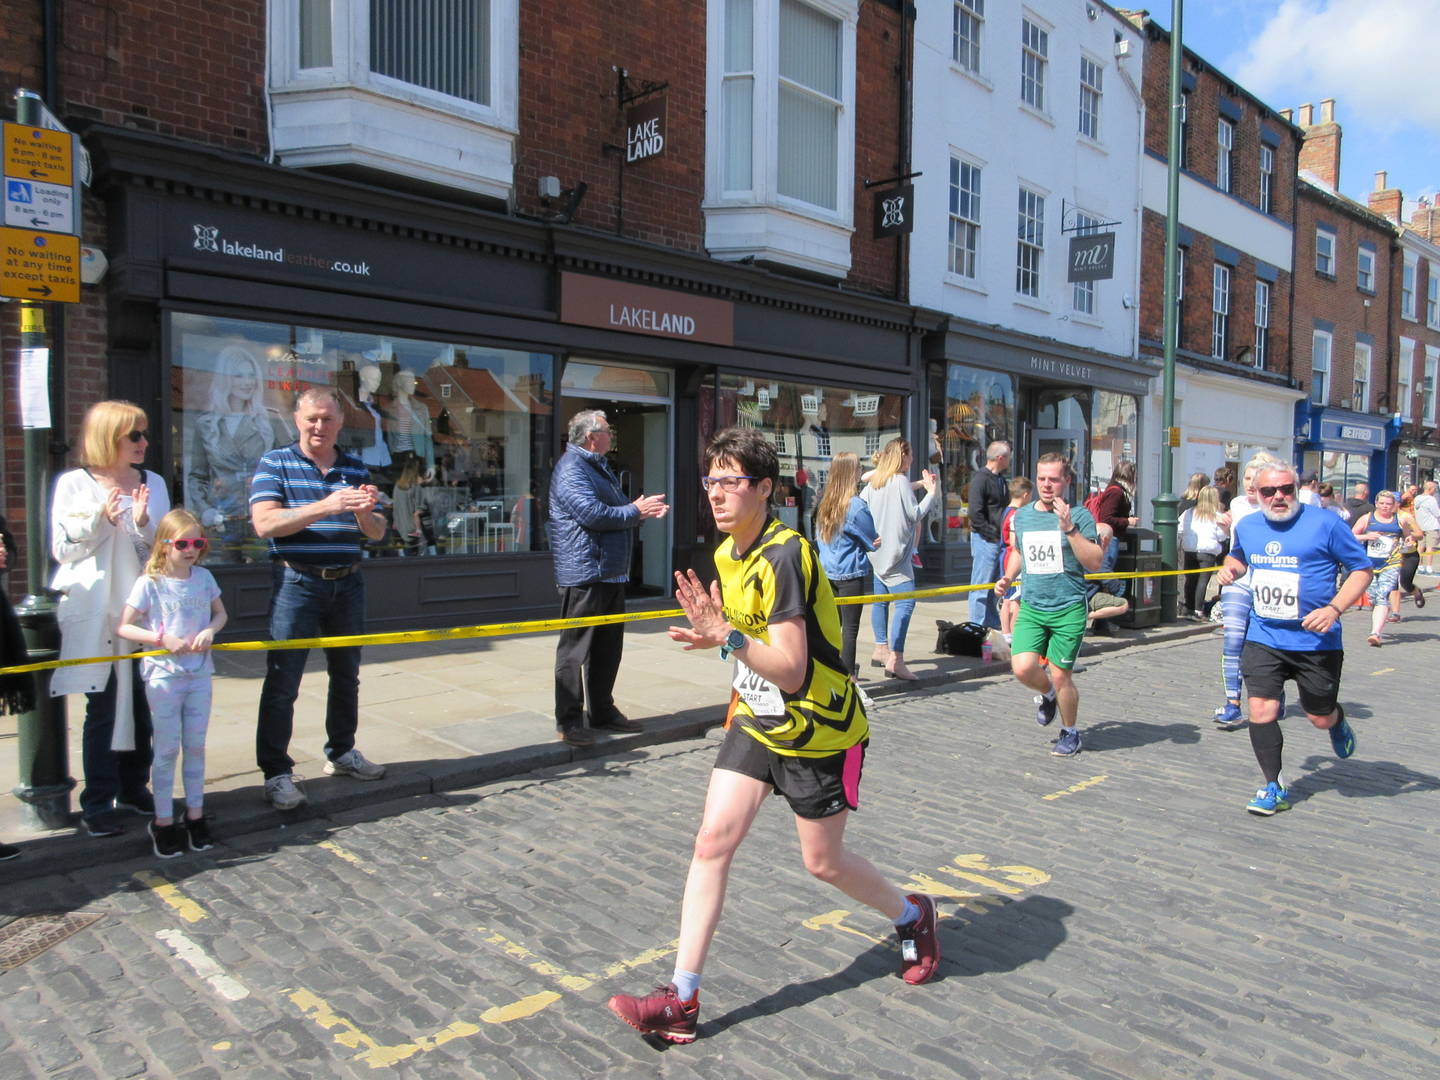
(591, 520)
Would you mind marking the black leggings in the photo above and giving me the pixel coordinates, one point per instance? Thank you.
(1409, 563)
(1196, 585)
(849, 618)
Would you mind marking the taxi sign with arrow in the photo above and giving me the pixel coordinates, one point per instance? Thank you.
(38, 265)
(40, 245)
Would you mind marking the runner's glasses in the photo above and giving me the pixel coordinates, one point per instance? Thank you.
(725, 483)
(199, 544)
(1284, 489)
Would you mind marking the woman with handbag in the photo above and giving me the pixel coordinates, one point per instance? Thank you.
(845, 534)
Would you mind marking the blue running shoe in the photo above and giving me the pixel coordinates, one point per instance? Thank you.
(1045, 706)
(1268, 801)
(1068, 745)
(1229, 718)
(1342, 736)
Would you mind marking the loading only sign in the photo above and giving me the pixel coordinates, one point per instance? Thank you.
(40, 245)
(39, 265)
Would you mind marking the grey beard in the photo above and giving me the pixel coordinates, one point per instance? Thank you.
(1272, 516)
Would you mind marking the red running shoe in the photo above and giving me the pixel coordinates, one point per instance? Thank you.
(919, 944)
(661, 1013)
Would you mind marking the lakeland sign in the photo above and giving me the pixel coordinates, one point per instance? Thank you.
(639, 309)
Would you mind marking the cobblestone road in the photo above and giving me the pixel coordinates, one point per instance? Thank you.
(1113, 915)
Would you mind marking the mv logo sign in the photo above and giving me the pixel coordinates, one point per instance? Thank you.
(1092, 258)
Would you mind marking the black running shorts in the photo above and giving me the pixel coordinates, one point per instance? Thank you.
(1317, 674)
(815, 787)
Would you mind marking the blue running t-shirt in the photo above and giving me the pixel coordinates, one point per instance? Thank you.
(1292, 572)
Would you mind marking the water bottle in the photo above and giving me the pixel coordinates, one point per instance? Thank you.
(985, 652)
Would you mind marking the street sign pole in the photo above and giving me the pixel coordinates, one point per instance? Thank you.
(44, 781)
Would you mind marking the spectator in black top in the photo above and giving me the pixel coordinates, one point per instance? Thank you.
(1359, 503)
(989, 497)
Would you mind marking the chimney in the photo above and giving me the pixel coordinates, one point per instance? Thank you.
(1287, 115)
(1385, 201)
(1426, 220)
(1320, 152)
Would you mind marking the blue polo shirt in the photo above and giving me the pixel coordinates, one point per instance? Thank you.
(288, 477)
(1292, 572)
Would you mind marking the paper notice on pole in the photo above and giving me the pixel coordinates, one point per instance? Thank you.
(35, 388)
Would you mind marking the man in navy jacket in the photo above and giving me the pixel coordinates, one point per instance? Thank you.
(592, 532)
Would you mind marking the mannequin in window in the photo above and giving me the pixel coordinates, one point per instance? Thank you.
(410, 430)
(226, 441)
(376, 454)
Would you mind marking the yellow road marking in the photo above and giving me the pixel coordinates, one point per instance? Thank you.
(372, 1052)
(188, 909)
(1076, 787)
(576, 983)
(349, 856)
(518, 1010)
(1021, 878)
(1383, 671)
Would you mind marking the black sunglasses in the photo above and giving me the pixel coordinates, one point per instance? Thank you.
(1268, 492)
(136, 436)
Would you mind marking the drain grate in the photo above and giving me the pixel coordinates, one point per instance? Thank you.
(28, 936)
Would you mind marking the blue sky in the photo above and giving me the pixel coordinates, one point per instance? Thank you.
(1374, 57)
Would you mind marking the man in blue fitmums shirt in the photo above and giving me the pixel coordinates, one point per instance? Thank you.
(1293, 553)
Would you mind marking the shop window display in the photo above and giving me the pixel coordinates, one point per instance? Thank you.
(456, 436)
(808, 425)
(979, 408)
(1113, 436)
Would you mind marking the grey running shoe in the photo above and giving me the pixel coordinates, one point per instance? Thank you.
(281, 792)
(1068, 744)
(353, 763)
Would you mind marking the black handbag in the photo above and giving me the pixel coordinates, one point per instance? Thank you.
(959, 639)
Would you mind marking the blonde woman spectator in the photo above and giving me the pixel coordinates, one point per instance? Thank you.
(892, 504)
(102, 526)
(1203, 531)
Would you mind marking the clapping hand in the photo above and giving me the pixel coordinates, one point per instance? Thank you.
(140, 506)
(703, 608)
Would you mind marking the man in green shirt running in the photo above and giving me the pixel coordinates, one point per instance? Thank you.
(1054, 545)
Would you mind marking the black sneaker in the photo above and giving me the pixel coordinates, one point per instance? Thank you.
(617, 721)
(8, 851)
(197, 832)
(168, 841)
(105, 823)
(141, 802)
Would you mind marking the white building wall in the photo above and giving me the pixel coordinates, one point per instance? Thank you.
(981, 116)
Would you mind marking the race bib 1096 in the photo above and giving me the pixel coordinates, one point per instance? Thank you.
(1276, 594)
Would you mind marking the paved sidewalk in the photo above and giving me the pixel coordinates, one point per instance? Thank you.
(451, 715)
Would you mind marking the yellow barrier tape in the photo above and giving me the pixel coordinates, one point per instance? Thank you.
(536, 626)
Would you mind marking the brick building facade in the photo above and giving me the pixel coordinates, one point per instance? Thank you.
(357, 219)
(1235, 390)
(1343, 299)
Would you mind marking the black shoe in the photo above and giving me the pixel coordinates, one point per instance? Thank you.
(575, 736)
(197, 832)
(1418, 595)
(105, 823)
(167, 841)
(141, 802)
(617, 722)
(9, 851)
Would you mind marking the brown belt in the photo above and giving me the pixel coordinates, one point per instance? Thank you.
(329, 573)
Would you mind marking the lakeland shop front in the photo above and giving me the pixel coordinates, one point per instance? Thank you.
(461, 341)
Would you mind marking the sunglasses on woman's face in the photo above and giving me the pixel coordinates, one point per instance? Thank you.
(199, 544)
(136, 436)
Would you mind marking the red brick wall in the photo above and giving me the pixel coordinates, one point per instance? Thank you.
(1203, 117)
(1337, 299)
(877, 147)
(20, 59)
(1197, 309)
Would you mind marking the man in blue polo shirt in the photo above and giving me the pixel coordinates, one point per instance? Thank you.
(316, 506)
(1293, 553)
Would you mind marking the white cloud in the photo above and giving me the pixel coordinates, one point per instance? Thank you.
(1374, 57)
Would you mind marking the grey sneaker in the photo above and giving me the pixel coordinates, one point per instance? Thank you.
(281, 792)
(353, 763)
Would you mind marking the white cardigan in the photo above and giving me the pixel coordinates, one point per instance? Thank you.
(99, 562)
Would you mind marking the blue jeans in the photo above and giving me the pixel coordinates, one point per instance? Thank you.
(984, 566)
(111, 773)
(303, 606)
(887, 632)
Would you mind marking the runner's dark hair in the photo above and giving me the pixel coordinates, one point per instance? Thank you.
(749, 450)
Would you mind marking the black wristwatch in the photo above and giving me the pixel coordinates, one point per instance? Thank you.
(1072, 530)
(734, 642)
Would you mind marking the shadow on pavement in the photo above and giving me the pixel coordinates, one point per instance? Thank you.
(1359, 779)
(990, 934)
(1124, 734)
